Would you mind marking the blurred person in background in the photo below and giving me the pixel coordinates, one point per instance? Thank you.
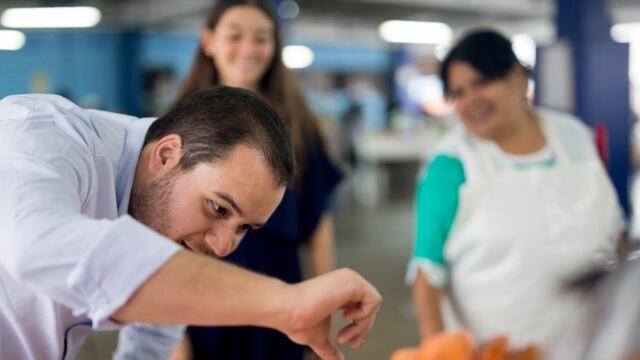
(514, 201)
(241, 46)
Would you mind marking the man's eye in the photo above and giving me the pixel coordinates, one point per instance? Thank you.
(217, 209)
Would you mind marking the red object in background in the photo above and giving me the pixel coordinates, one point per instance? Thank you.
(602, 143)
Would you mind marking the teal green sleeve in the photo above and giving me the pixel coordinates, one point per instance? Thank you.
(436, 206)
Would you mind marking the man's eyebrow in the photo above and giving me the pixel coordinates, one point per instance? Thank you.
(226, 197)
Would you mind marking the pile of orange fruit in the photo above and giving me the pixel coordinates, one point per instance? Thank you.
(460, 345)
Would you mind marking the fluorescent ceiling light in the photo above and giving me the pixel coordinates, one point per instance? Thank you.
(297, 57)
(626, 32)
(524, 47)
(441, 51)
(11, 40)
(415, 32)
(51, 17)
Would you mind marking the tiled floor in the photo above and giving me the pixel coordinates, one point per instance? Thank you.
(375, 242)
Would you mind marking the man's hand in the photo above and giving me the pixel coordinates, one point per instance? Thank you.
(193, 289)
(312, 302)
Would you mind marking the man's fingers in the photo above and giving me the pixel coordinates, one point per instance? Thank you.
(353, 313)
(355, 332)
(362, 318)
(352, 334)
(348, 332)
(327, 350)
(356, 343)
(339, 290)
(360, 311)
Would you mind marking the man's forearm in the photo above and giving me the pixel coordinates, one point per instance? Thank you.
(193, 289)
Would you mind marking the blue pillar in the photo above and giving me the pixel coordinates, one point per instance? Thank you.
(601, 85)
(131, 83)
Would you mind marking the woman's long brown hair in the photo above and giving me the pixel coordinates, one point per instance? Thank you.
(278, 84)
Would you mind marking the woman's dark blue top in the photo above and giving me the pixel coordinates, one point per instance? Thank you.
(273, 250)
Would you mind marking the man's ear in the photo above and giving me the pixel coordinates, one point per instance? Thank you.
(165, 154)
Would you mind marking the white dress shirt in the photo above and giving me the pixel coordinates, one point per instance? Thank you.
(70, 256)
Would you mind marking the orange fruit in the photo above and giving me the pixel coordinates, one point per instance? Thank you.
(529, 353)
(405, 354)
(456, 345)
(496, 349)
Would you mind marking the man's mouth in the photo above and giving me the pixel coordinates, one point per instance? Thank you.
(184, 244)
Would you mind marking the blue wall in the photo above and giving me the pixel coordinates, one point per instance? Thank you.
(104, 67)
(348, 57)
(168, 50)
(76, 63)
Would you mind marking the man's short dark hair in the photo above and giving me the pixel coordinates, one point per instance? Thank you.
(212, 122)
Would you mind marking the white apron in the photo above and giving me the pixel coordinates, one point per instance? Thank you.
(519, 234)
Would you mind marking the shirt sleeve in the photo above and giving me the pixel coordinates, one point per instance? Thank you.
(436, 206)
(92, 266)
(144, 341)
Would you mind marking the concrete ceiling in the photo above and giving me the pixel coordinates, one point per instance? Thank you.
(158, 12)
(359, 16)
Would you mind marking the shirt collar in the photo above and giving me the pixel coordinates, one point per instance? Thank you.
(134, 142)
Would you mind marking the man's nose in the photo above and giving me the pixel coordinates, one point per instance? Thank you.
(221, 241)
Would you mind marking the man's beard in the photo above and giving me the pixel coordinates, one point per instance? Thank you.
(150, 204)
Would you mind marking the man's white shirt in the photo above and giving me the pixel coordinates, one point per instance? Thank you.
(70, 256)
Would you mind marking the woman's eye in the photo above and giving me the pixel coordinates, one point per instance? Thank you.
(455, 95)
(481, 82)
